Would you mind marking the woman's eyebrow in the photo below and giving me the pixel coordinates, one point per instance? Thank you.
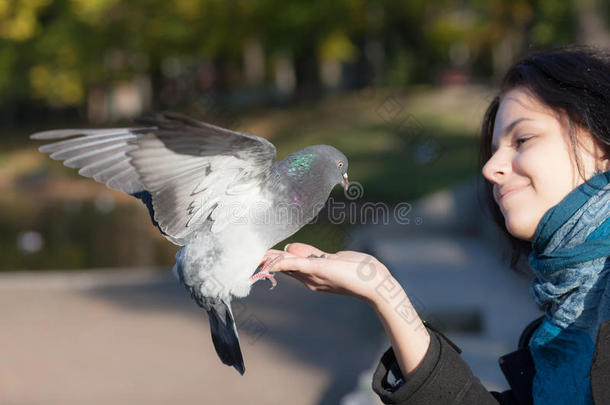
(507, 130)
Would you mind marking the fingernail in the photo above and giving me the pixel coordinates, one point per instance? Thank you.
(286, 247)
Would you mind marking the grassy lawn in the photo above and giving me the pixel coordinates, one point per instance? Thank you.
(400, 145)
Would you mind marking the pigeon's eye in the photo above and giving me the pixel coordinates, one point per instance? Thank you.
(340, 164)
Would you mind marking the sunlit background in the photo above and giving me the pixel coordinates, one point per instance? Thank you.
(399, 86)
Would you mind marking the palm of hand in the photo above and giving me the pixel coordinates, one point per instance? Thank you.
(347, 272)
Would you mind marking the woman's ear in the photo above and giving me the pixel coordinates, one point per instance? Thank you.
(604, 160)
(601, 153)
(606, 163)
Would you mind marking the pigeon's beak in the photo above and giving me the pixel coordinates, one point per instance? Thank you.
(345, 182)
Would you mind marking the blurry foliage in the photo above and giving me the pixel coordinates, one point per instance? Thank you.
(401, 69)
(53, 51)
(337, 46)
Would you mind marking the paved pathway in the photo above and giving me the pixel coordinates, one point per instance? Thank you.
(134, 337)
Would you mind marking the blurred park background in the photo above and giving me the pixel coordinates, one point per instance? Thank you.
(399, 86)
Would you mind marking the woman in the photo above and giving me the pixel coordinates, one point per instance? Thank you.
(545, 154)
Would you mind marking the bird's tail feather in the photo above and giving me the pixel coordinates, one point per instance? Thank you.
(224, 335)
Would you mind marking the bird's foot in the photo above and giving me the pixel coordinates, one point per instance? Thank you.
(263, 273)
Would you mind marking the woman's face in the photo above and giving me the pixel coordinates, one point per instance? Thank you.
(532, 167)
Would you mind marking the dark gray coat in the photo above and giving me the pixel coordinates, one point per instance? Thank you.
(444, 377)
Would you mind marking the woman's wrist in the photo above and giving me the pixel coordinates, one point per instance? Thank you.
(387, 294)
(397, 307)
(405, 330)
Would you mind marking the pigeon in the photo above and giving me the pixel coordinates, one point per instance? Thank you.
(220, 195)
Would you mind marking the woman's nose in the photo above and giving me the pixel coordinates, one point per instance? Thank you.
(497, 167)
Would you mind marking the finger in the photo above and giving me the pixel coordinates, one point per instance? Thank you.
(353, 256)
(349, 253)
(303, 278)
(297, 276)
(299, 264)
(273, 255)
(303, 249)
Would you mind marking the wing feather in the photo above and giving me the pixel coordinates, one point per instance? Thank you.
(79, 143)
(100, 154)
(110, 171)
(194, 171)
(92, 156)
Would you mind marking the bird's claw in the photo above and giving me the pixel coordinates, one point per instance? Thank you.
(261, 275)
(264, 273)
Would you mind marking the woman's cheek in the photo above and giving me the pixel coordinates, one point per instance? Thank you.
(533, 171)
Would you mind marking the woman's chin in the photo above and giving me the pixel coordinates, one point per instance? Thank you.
(517, 229)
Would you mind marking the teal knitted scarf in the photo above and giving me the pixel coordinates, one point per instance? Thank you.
(570, 259)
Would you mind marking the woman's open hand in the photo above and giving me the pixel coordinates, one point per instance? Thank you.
(346, 272)
(358, 275)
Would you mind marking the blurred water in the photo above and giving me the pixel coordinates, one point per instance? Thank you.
(76, 234)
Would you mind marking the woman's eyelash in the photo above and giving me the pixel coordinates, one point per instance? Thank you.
(520, 141)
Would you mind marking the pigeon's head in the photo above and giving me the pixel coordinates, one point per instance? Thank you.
(332, 163)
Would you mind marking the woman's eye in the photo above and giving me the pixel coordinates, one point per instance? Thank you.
(522, 140)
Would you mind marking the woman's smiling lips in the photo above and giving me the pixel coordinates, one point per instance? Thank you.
(507, 191)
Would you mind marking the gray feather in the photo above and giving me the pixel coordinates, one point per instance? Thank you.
(224, 335)
(66, 133)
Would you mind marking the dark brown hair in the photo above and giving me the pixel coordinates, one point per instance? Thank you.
(574, 82)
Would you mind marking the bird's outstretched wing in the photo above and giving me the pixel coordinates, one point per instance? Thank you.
(193, 171)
